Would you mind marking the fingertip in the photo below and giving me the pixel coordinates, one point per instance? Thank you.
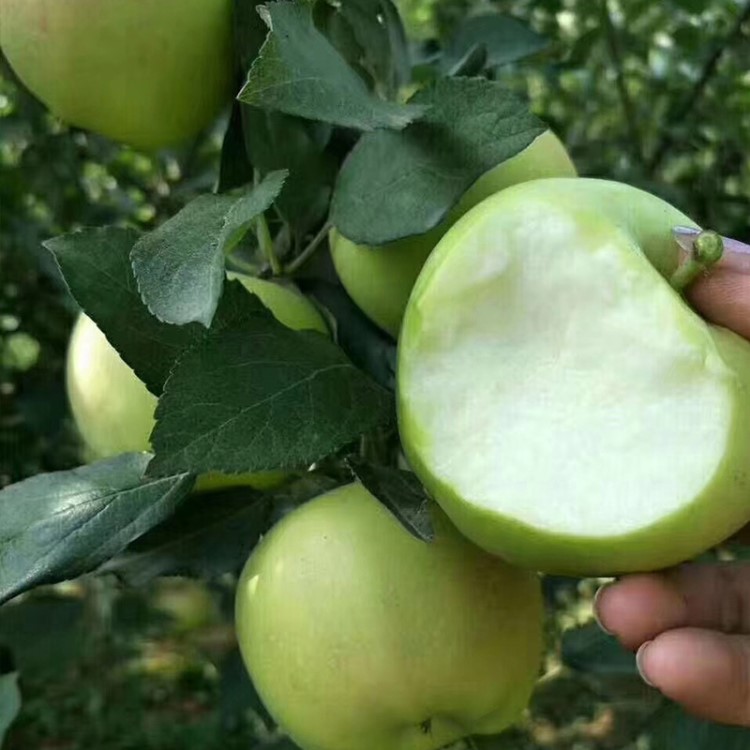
(638, 608)
(705, 671)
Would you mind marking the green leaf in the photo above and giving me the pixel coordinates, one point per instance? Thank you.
(376, 40)
(673, 728)
(506, 40)
(395, 185)
(588, 649)
(367, 345)
(212, 533)
(272, 398)
(180, 266)
(402, 493)
(235, 168)
(57, 526)
(278, 141)
(96, 266)
(300, 73)
(249, 33)
(10, 702)
(473, 62)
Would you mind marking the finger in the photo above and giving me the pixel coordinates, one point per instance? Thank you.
(723, 297)
(707, 672)
(638, 608)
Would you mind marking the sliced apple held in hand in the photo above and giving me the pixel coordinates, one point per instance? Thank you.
(561, 401)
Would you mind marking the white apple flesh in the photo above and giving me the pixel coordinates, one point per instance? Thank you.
(562, 402)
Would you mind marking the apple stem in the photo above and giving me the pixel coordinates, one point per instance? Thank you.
(706, 251)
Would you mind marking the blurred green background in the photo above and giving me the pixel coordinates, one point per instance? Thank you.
(656, 94)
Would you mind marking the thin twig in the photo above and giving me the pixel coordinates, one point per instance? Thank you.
(309, 251)
(710, 68)
(631, 116)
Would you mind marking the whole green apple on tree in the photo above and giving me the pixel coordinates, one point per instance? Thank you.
(359, 635)
(114, 411)
(558, 396)
(149, 73)
(380, 279)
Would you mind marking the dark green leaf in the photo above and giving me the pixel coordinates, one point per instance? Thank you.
(180, 266)
(473, 62)
(505, 38)
(588, 649)
(249, 32)
(272, 398)
(57, 526)
(278, 141)
(378, 41)
(402, 493)
(235, 169)
(368, 347)
(10, 702)
(96, 266)
(673, 729)
(211, 534)
(395, 185)
(300, 73)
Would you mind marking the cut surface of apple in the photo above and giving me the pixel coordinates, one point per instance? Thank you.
(565, 406)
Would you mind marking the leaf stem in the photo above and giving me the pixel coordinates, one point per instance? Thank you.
(266, 244)
(309, 251)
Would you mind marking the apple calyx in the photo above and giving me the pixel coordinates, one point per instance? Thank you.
(705, 250)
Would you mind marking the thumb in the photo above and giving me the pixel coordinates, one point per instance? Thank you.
(723, 296)
(706, 671)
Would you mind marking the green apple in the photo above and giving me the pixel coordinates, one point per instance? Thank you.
(560, 399)
(358, 635)
(150, 73)
(113, 409)
(188, 604)
(380, 279)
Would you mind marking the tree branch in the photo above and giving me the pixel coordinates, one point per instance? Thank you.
(615, 52)
(710, 68)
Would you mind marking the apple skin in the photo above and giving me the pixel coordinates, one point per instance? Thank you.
(380, 279)
(604, 214)
(357, 634)
(149, 73)
(113, 409)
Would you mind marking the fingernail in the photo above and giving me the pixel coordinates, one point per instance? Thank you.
(597, 617)
(639, 659)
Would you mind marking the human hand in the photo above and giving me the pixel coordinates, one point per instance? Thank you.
(691, 626)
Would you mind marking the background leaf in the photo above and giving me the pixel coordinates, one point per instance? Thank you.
(504, 38)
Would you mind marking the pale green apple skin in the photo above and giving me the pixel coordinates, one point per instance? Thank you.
(113, 409)
(357, 634)
(149, 73)
(602, 209)
(380, 279)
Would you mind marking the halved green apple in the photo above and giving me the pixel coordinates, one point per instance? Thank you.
(563, 403)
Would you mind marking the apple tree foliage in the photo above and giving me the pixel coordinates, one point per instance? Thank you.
(322, 126)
